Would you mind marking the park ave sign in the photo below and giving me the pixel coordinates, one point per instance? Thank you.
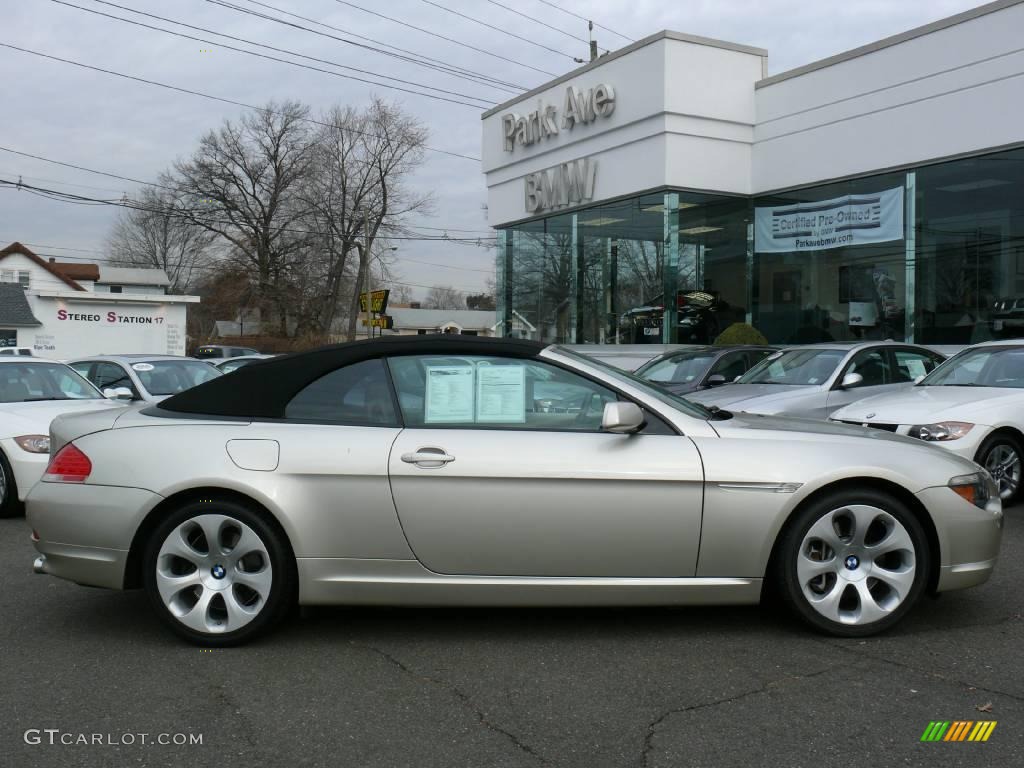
(579, 107)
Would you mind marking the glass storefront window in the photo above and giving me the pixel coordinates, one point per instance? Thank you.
(933, 254)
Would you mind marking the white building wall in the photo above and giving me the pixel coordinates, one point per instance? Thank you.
(952, 90)
(40, 279)
(683, 116)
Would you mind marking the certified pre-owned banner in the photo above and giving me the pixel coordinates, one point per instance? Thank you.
(836, 223)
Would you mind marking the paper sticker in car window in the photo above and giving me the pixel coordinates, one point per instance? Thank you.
(142, 367)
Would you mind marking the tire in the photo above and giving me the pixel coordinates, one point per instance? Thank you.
(10, 506)
(1001, 454)
(852, 563)
(227, 598)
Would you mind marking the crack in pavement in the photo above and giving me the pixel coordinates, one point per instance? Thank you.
(865, 654)
(464, 699)
(652, 727)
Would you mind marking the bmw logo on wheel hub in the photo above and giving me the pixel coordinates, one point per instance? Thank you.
(218, 571)
(852, 562)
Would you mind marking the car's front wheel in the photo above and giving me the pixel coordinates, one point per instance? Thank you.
(853, 563)
(1001, 455)
(218, 573)
(9, 504)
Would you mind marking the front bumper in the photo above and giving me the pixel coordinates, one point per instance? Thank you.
(27, 467)
(101, 520)
(969, 537)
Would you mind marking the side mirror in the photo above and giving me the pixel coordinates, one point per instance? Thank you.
(851, 380)
(716, 380)
(118, 393)
(622, 418)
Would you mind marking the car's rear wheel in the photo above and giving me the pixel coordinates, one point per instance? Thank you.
(218, 573)
(1001, 455)
(853, 563)
(9, 504)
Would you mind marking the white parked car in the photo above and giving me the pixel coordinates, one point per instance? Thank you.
(148, 378)
(972, 405)
(32, 393)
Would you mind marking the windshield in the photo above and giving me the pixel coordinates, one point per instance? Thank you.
(168, 377)
(980, 367)
(680, 369)
(795, 367)
(675, 401)
(29, 382)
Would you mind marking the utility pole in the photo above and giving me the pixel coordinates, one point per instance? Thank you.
(593, 42)
(366, 255)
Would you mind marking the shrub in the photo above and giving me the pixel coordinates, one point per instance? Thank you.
(740, 333)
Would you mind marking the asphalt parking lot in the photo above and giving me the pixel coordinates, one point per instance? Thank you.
(479, 688)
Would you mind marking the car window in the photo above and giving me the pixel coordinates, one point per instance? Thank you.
(168, 377)
(910, 364)
(873, 366)
(730, 365)
(981, 367)
(800, 367)
(110, 375)
(356, 394)
(679, 369)
(25, 382)
(478, 391)
(82, 368)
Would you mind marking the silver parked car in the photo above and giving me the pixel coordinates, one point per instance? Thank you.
(628, 357)
(815, 380)
(422, 471)
(149, 378)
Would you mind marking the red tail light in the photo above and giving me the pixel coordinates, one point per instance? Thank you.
(69, 465)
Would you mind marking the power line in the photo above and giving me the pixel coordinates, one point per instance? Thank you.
(280, 50)
(584, 18)
(419, 59)
(499, 29)
(62, 183)
(189, 215)
(443, 37)
(213, 98)
(538, 21)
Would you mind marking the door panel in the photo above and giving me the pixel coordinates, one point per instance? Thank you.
(538, 503)
(875, 366)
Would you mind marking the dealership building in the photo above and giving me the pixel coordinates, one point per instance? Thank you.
(63, 310)
(672, 185)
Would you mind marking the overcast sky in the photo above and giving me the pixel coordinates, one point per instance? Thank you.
(131, 129)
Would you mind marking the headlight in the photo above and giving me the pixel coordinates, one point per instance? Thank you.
(976, 488)
(942, 431)
(34, 443)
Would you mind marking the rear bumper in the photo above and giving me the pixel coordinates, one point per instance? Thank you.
(100, 520)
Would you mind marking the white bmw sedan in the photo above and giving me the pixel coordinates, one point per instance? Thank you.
(436, 471)
(32, 393)
(972, 405)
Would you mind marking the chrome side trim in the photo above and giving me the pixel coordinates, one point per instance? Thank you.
(765, 487)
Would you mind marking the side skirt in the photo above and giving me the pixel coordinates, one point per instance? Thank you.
(337, 581)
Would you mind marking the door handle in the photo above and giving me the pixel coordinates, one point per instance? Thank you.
(428, 458)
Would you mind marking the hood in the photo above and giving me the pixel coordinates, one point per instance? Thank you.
(811, 429)
(924, 405)
(738, 397)
(34, 418)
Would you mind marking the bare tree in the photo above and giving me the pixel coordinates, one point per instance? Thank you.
(155, 235)
(243, 183)
(401, 294)
(356, 192)
(444, 297)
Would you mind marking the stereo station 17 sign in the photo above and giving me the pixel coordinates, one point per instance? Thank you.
(835, 223)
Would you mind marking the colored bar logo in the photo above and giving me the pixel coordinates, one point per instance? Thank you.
(958, 730)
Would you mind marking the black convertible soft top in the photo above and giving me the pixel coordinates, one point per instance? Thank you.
(263, 389)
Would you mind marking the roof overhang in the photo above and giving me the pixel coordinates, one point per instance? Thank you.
(117, 298)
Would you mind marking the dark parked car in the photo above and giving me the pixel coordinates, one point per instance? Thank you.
(689, 370)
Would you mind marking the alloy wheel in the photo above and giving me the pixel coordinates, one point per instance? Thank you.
(1003, 463)
(3, 486)
(213, 573)
(856, 564)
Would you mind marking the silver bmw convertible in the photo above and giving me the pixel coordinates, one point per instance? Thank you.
(468, 471)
